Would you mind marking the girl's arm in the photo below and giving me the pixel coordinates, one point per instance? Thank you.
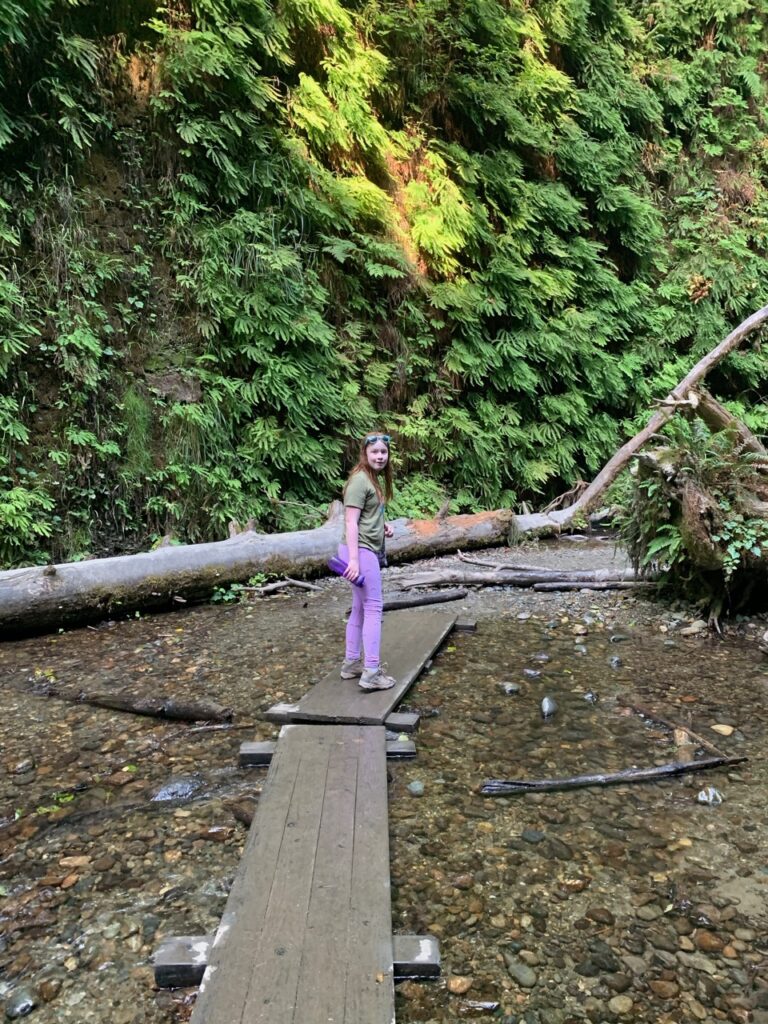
(351, 520)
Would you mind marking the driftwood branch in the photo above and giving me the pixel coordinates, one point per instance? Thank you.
(654, 716)
(502, 787)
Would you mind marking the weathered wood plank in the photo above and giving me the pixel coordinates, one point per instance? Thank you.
(259, 754)
(408, 642)
(297, 933)
(370, 990)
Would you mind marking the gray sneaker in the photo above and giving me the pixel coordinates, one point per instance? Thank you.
(374, 679)
(351, 669)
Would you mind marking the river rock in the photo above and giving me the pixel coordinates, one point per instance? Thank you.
(21, 1002)
(519, 972)
(664, 989)
(698, 626)
(182, 788)
(649, 912)
(458, 984)
(601, 915)
(621, 1005)
(707, 941)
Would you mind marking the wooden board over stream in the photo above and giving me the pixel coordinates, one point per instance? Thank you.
(409, 639)
(306, 935)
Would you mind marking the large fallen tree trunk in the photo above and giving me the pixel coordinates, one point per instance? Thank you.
(41, 599)
(44, 599)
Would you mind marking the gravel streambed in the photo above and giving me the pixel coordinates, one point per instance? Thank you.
(610, 904)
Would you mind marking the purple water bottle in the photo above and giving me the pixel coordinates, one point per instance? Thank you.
(339, 566)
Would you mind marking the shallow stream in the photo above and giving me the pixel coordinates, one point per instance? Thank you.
(601, 904)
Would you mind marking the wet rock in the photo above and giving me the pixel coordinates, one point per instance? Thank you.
(21, 1002)
(621, 1005)
(104, 863)
(532, 673)
(697, 961)
(458, 984)
(649, 912)
(602, 955)
(548, 707)
(49, 988)
(524, 975)
(615, 661)
(617, 982)
(664, 989)
(663, 939)
(601, 915)
(416, 788)
(531, 835)
(511, 689)
(635, 964)
(708, 942)
(558, 849)
(542, 657)
(24, 766)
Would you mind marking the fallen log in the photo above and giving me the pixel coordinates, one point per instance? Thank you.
(153, 707)
(514, 578)
(161, 707)
(394, 601)
(502, 787)
(40, 599)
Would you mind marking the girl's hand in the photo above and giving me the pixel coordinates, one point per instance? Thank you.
(353, 570)
(389, 530)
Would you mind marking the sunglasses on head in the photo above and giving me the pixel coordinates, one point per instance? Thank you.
(377, 437)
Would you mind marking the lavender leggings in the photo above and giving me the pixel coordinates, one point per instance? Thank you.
(364, 623)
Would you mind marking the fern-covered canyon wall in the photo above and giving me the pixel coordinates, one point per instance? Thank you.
(236, 235)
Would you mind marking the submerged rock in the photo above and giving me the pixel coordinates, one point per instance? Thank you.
(182, 788)
(21, 1002)
(548, 707)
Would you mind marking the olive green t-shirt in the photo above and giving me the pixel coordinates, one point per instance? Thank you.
(360, 493)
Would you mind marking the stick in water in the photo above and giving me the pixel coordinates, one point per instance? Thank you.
(500, 787)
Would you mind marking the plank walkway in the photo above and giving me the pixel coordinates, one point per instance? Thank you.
(409, 639)
(306, 935)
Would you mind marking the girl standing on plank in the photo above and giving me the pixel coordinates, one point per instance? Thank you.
(362, 546)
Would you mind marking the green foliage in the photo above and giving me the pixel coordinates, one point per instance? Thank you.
(235, 235)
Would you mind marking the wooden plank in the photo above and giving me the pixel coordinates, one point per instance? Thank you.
(256, 753)
(409, 640)
(259, 754)
(402, 721)
(370, 992)
(180, 960)
(465, 624)
(296, 927)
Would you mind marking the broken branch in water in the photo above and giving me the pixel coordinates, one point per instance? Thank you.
(654, 716)
(502, 787)
(394, 601)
